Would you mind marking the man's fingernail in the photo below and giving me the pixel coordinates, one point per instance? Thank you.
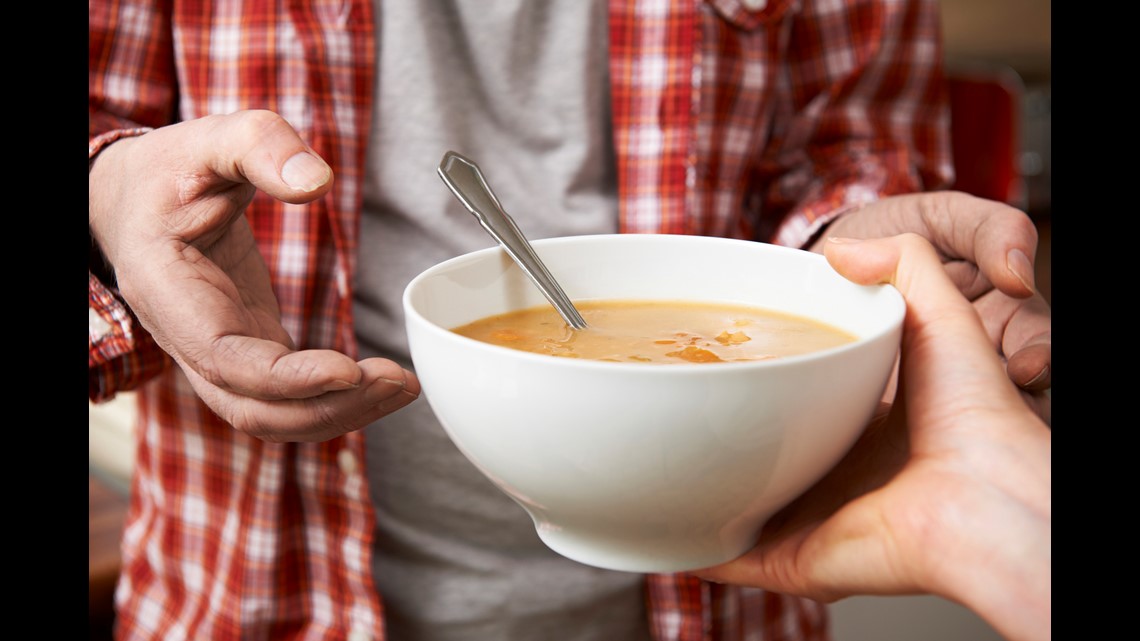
(1019, 264)
(1037, 380)
(843, 240)
(397, 400)
(305, 172)
(381, 389)
(339, 386)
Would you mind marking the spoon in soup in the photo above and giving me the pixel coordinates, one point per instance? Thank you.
(466, 181)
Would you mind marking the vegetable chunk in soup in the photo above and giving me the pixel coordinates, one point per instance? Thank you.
(629, 331)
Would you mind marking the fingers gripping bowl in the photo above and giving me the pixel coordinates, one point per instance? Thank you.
(644, 467)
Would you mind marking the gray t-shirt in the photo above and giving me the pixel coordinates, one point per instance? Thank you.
(522, 88)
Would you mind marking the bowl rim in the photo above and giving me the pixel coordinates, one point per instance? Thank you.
(410, 311)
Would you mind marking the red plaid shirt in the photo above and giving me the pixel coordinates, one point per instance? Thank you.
(732, 118)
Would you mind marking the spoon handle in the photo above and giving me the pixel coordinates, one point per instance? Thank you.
(466, 181)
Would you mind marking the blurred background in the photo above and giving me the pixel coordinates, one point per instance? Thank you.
(998, 59)
(999, 66)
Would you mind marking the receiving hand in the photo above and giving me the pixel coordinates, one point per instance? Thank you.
(167, 211)
(988, 248)
(950, 495)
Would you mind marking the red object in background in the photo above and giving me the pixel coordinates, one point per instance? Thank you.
(985, 119)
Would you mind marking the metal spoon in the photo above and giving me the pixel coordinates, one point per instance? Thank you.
(465, 180)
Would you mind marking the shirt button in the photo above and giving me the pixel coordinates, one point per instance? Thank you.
(754, 5)
(358, 634)
(347, 462)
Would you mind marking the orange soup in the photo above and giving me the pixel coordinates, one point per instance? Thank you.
(630, 331)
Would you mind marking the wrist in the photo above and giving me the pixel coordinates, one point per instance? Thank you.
(1001, 571)
(100, 175)
(1016, 601)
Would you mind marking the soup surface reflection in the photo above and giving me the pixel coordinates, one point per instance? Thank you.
(659, 332)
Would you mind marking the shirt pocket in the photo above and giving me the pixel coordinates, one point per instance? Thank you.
(750, 14)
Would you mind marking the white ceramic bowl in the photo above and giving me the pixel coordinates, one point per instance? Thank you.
(642, 467)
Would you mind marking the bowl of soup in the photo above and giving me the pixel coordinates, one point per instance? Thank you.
(717, 381)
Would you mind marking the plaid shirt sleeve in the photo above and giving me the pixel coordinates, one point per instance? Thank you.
(766, 119)
(121, 354)
(861, 114)
(131, 75)
(130, 91)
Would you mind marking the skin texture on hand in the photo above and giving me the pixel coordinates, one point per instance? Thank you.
(988, 249)
(167, 211)
(950, 494)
